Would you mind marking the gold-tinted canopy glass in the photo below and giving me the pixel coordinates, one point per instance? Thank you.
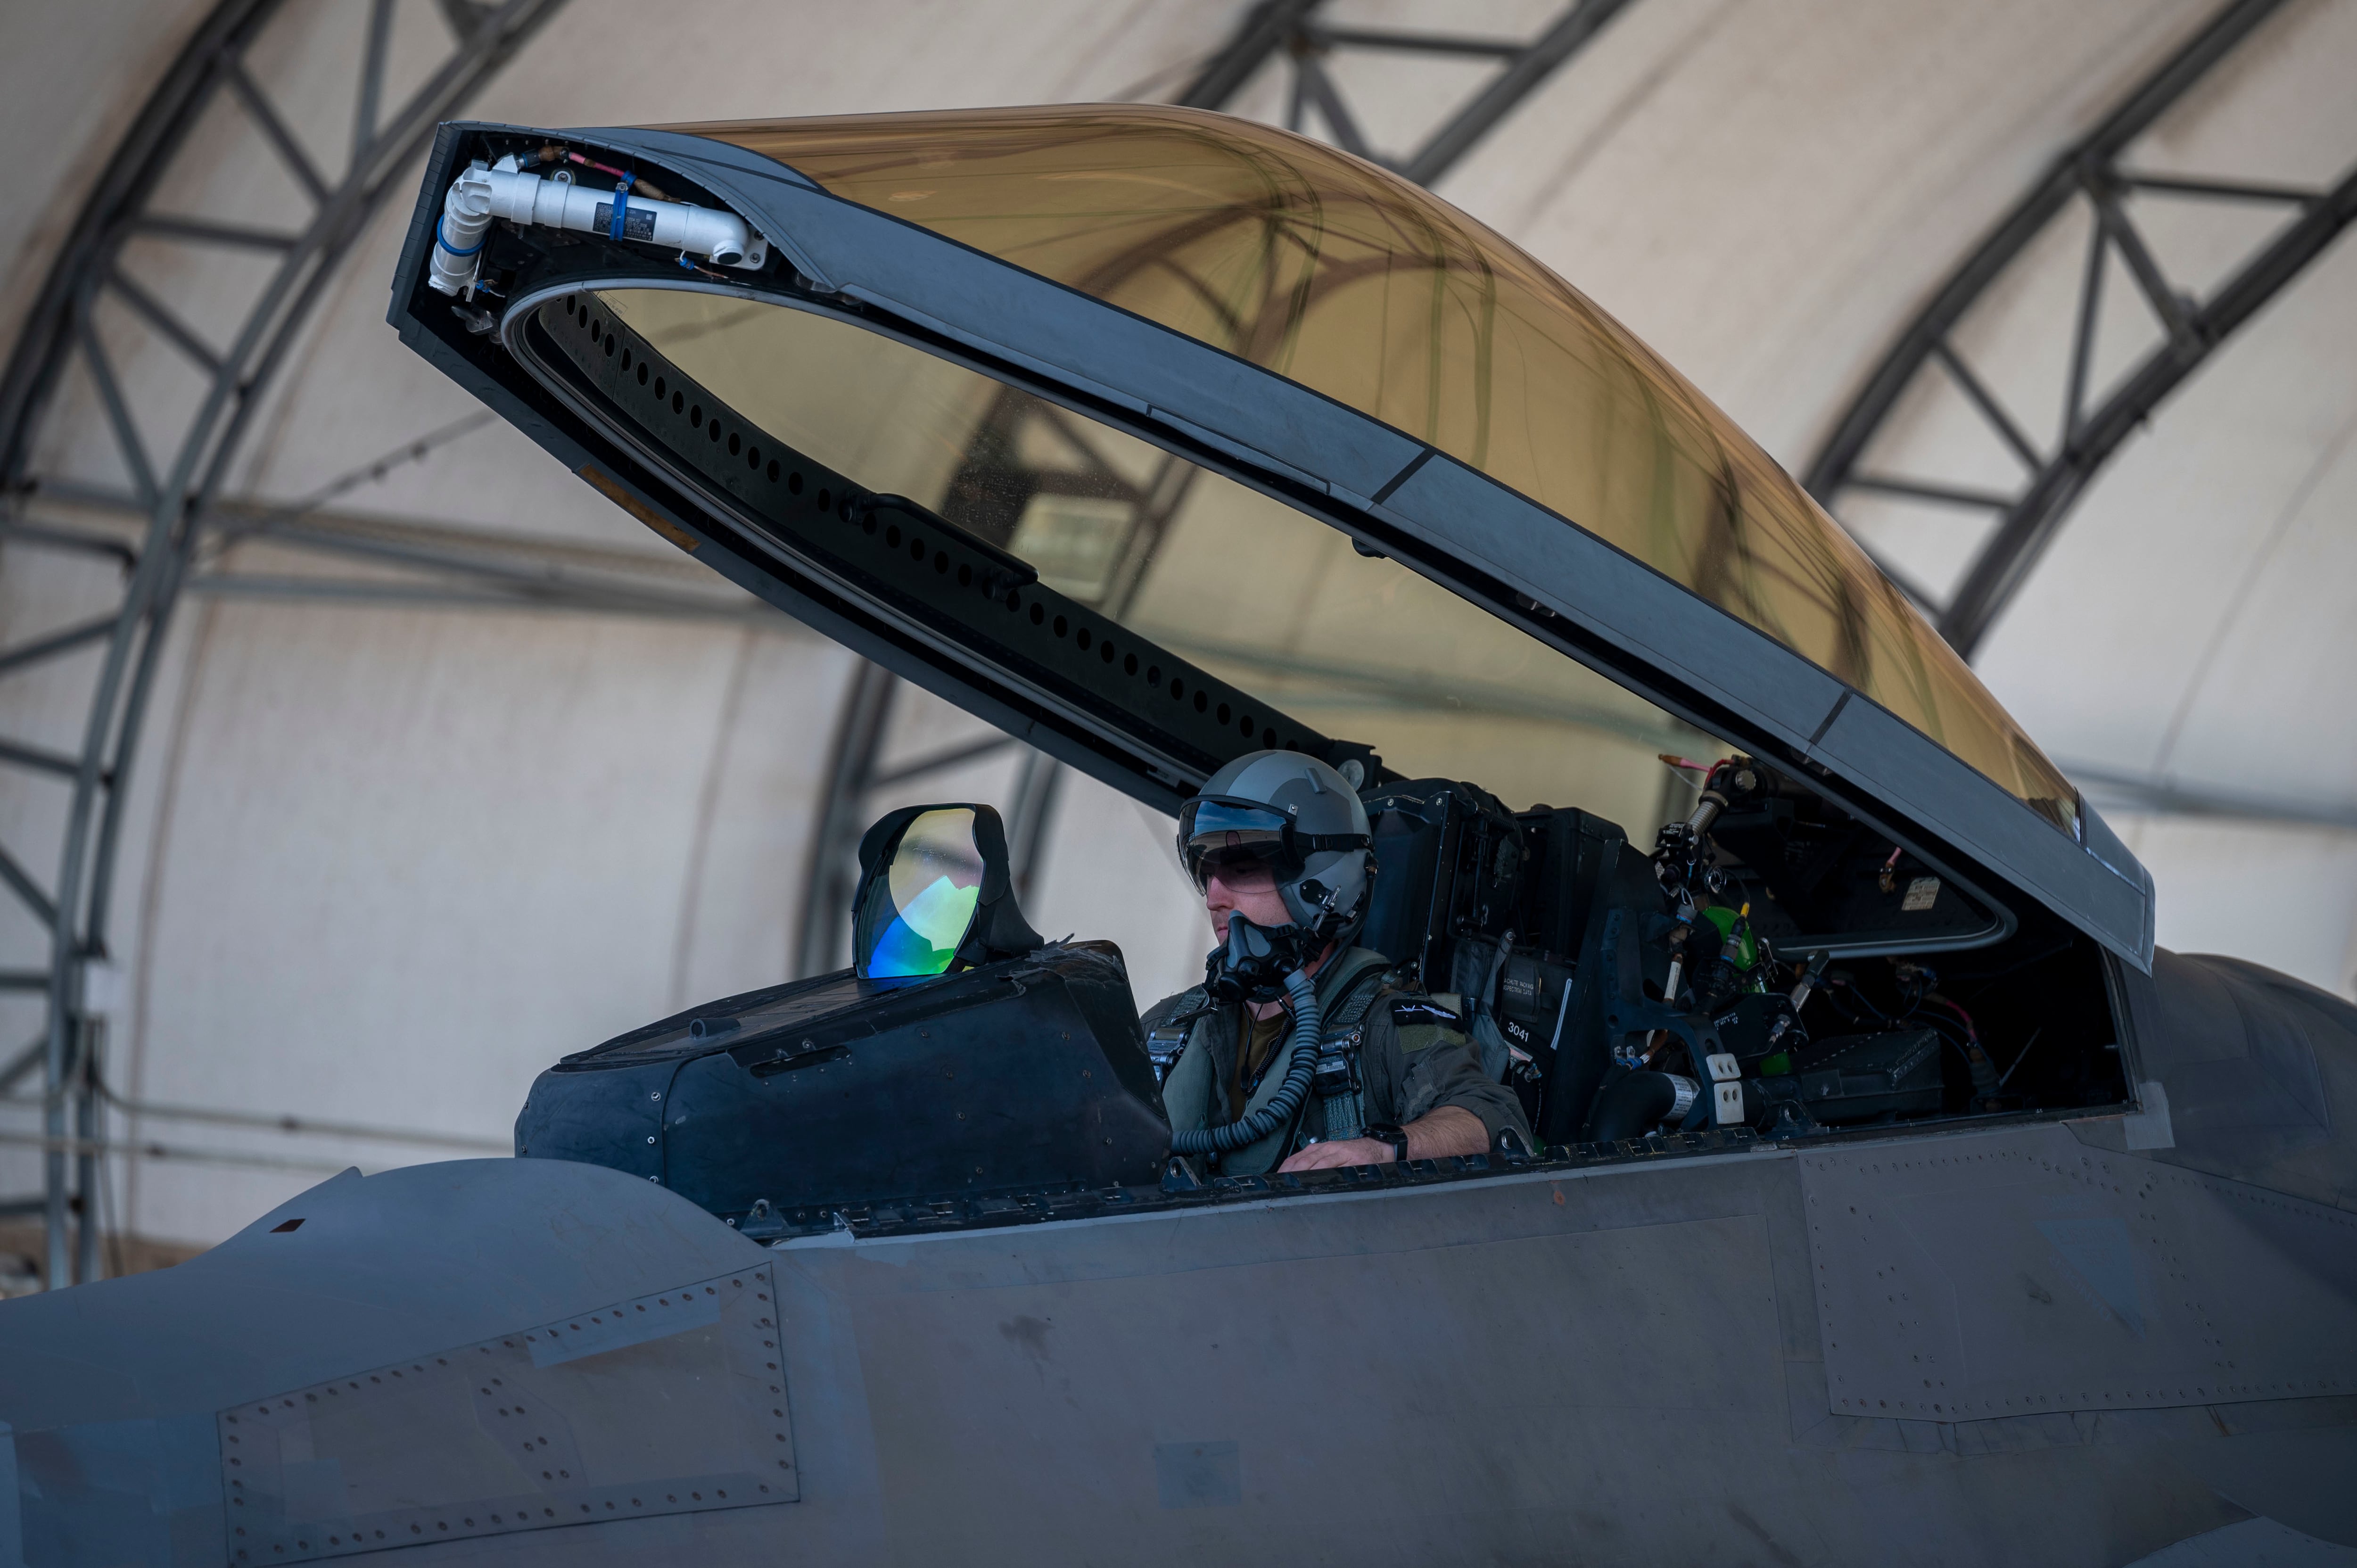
(1245, 588)
(1347, 279)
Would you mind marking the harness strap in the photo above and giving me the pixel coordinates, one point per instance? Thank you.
(1337, 1086)
(1167, 1036)
(1341, 1105)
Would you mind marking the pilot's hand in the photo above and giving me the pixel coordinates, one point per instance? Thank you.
(1341, 1152)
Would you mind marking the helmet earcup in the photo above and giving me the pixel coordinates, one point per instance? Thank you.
(1331, 896)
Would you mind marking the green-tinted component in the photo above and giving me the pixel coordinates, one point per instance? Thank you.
(1776, 1066)
(1746, 951)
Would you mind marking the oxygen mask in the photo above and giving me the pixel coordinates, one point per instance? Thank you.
(1252, 965)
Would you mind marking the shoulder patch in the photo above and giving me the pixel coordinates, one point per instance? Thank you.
(1412, 1011)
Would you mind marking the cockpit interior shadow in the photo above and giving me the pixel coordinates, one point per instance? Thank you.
(1624, 995)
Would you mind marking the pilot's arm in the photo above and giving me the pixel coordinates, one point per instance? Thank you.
(1443, 1130)
(1419, 1072)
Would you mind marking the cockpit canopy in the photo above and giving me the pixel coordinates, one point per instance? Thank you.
(1346, 279)
(1155, 437)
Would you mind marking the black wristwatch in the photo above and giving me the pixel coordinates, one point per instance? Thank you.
(1390, 1133)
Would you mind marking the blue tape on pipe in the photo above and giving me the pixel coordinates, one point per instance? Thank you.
(621, 205)
(443, 241)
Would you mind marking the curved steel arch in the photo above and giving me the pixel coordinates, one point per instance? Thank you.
(2028, 519)
(173, 490)
(1293, 30)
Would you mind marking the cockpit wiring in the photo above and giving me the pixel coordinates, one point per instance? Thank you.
(554, 154)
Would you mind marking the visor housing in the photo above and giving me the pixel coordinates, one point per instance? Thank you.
(1216, 831)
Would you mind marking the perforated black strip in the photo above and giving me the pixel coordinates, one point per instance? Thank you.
(918, 566)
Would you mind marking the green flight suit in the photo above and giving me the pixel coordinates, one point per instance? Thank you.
(1413, 1056)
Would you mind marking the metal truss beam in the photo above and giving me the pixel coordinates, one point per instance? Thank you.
(176, 481)
(2091, 172)
(844, 790)
(440, 564)
(1291, 29)
(1266, 30)
(2166, 798)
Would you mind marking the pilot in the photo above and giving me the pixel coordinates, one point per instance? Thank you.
(1279, 845)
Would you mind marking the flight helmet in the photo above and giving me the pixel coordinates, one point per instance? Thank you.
(1296, 819)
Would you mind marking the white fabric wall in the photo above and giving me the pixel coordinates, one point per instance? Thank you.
(387, 862)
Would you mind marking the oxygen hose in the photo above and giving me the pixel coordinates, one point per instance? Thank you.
(1285, 1102)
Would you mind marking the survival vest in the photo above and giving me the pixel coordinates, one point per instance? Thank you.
(1335, 1107)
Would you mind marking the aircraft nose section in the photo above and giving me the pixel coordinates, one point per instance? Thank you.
(470, 1348)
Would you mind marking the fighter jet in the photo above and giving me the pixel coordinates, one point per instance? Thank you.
(1893, 1198)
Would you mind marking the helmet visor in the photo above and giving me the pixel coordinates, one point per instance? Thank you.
(1250, 846)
